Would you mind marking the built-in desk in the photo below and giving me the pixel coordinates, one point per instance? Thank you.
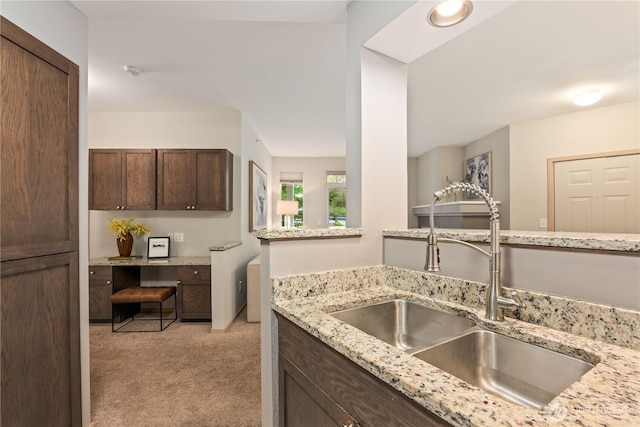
(192, 276)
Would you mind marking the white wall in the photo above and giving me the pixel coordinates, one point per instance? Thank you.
(65, 29)
(412, 191)
(498, 144)
(594, 276)
(219, 128)
(433, 169)
(364, 19)
(314, 174)
(596, 130)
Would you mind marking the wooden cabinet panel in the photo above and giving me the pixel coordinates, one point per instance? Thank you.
(122, 179)
(39, 314)
(194, 292)
(365, 398)
(195, 179)
(40, 342)
(103, 282)
(39, 155)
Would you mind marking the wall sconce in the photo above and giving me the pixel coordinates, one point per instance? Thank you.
(288, 208)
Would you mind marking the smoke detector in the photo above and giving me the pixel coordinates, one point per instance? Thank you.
(134, 71)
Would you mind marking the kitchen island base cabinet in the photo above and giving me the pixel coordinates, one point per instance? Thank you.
(320, 387)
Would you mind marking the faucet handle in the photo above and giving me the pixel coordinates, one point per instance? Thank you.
(516, 299)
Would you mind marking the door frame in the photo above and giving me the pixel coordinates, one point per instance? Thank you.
(551, 176)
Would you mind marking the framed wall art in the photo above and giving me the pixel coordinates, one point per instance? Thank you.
(257, 197)
(478, 172)
(158, 247)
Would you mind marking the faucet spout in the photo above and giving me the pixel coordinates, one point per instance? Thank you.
(495, 301)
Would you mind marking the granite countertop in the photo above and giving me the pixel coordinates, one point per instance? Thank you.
(178, 260)
(606, 395)
(221, 247)
(307, 234)
(589, 241)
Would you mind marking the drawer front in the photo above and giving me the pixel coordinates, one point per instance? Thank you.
(194, 274)
(100, 274)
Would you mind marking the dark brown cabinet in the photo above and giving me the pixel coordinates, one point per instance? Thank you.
(40, 315)
(320, 387)
(194, 292)
(195, 180)
(122, 179)
(103, 282)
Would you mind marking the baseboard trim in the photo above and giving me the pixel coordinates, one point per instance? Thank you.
(226, 328)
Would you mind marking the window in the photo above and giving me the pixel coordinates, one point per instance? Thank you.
(337, 198)
(291, 189)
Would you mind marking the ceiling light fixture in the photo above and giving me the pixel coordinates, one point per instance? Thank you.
(134, 71)
(449, 12)
(586, 98)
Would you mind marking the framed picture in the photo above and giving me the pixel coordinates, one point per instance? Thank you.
(257, 197)
(478, 172)
(158, 247)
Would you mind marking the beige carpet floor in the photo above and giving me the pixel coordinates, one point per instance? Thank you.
(183, 376)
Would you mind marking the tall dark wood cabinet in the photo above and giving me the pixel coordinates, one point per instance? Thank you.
(195, 179)
(122, 179)
(39, 304)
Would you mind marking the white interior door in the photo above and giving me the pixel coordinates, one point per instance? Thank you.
(600, 195)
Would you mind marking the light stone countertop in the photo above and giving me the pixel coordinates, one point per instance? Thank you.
(607, 395)
(220, 247)
(589, 241)
(172, 261)
(306, 234)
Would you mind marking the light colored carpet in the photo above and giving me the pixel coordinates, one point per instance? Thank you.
(183, 376)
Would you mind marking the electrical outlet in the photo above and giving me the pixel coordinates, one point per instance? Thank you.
(178, 237)
(240, 286)
(543, 223)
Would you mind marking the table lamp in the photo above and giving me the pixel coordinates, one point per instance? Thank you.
(288, 208)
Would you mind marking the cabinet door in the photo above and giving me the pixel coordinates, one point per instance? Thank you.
(122, 179)
(39, 148)
(302, 403)
(100, 290)
(194, 292)
(139, 179)
(214, 179)
(105, 179)
(40, 342)
(176, 177)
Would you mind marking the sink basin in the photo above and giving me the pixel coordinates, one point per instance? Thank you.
(513, 370)
(405, 324)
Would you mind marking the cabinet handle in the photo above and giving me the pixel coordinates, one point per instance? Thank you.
(193, 207)
(178, 282)
(188, 207)
(91, 273)
(108, 282)
(195, 271)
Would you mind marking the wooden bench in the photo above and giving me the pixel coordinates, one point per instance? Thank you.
(144, 294)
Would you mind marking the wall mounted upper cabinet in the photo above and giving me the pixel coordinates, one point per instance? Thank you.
(195, 179)
(122, 179)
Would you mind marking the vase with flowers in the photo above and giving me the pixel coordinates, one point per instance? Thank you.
(124, 229)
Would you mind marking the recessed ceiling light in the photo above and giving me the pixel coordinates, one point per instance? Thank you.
(586, 98)
(134, 71)
(449, 12)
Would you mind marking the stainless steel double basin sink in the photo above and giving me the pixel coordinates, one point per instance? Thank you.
(508, 368)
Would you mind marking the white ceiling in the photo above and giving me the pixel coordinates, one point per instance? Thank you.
(283, 64)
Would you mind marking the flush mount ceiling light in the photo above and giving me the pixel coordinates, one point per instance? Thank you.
(449, 12)
(134, 71)
(586, 98)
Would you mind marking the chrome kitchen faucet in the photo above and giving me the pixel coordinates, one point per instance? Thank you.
(495, 301)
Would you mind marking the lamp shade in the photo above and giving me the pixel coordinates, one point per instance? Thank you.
(287, 207)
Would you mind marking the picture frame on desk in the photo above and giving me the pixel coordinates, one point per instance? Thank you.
(158, 247)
